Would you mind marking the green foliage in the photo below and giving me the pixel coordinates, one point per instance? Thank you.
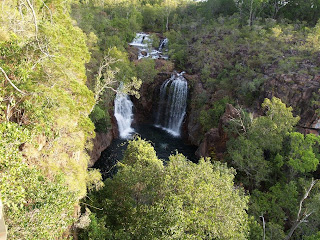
(301, 10)
(315, 236)
(210, 118)
(177, 48)
(45, 126)
(146, 70)
(96, 229)
(101, 119)
(153, 18)
(147, 200)
(253, 154)
(280, 200)
(302, 157)
(275, 162)
(42, 207)
(218, 7)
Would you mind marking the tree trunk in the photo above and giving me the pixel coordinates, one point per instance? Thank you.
(293, 228)
(251, 13)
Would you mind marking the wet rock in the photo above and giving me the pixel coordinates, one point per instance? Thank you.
(207, 147)
(144, 53)
(195, 132)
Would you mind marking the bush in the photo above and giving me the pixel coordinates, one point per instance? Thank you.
(210, 118)
(146, 70)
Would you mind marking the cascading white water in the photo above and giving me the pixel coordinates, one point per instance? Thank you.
(172, 104)
(143, 42)
(123, 114)
(164, 42)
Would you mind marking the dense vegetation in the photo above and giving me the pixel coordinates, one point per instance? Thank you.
(147, 200)
(62, 61)
(43, 118)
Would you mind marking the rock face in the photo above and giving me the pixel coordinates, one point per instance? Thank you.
(194, 127)
(297, 91)
(100, 143)
(148, 102)
(215, 140)
(133, 53)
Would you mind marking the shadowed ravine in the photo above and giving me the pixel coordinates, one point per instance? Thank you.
(164, 144)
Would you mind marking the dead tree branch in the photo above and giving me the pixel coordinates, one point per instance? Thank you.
(264, 227)
(34, 15)
(11, 83)
(105, 77)
(302, 217)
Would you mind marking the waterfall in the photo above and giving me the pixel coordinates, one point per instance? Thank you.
(172, 104)
(142, 40)
(123, 114)
(163, 44)
(143, 43)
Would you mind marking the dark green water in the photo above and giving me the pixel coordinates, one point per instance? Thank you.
(164, 144)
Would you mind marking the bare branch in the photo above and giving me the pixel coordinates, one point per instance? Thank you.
(48, 10)
(34, 17)
(301, 218)
(264, 227)
(239, 120)
(105, 77)
(313, 182)
(36, 27)
(92, 206)
(11, 83)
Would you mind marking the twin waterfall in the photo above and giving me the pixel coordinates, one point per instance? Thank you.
(173, 95)
(172, 104)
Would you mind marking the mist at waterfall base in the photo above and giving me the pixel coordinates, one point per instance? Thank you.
(164, 143)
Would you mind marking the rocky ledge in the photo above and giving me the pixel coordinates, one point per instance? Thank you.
(300, 92)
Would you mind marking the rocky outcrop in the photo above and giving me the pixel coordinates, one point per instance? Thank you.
(298, 91)
(100, 143)
(133, 53)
